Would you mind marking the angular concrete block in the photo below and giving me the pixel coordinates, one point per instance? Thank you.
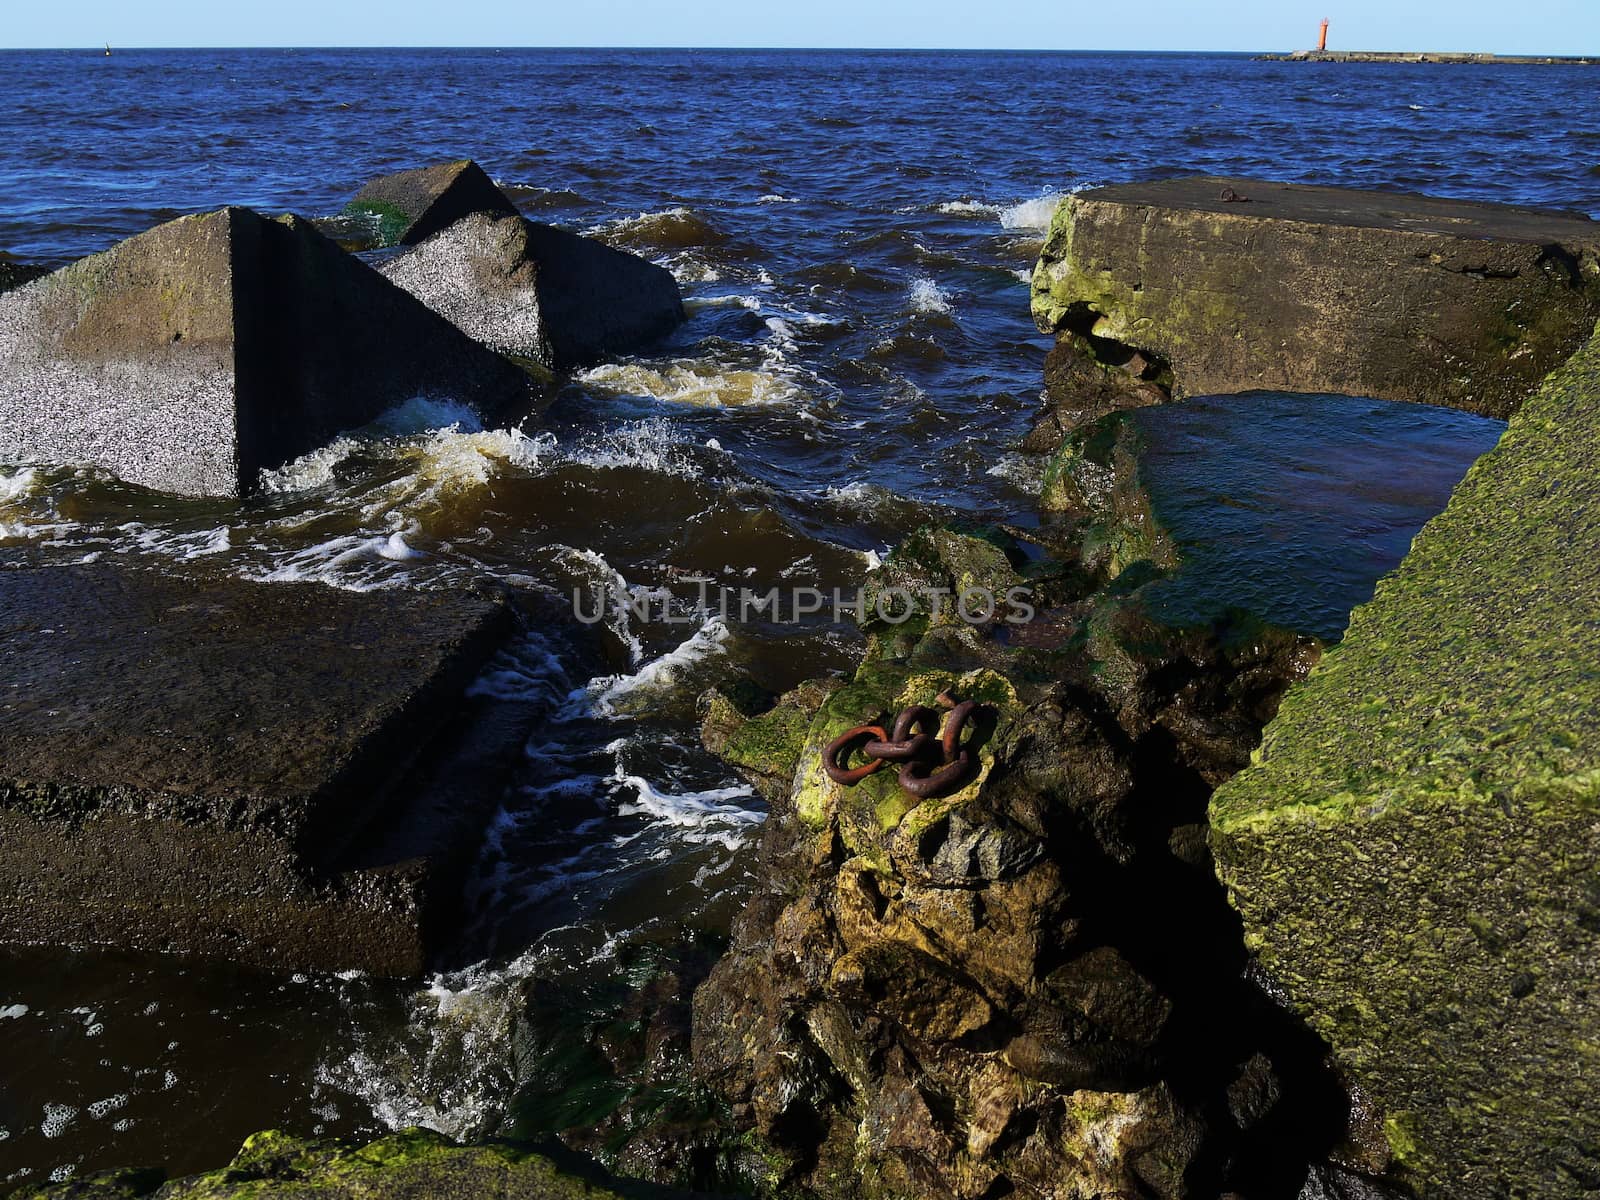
(411, 206)
(197, 354)
(539, 292)
(280, 774)
(1413, 851)
(1315, 289)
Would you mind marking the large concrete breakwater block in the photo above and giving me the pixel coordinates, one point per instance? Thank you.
(1239, 284)
(531, 290)
(1414, 850)
(408, 207)
(280, 774)
(197, 354)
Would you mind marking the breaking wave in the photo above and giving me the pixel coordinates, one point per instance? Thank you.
(693, 381)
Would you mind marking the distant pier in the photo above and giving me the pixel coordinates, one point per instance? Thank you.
(1397, 56)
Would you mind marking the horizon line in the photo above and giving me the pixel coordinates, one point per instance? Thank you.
(89, 47)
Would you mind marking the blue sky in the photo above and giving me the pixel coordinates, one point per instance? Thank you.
(1505, 26)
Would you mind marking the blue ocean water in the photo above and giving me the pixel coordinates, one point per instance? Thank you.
(853, 233)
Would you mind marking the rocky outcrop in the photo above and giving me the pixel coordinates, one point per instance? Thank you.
(1234, 284)
(1031, 986)
(415, 1164)
(1413, 851)
(411, 206)
(539, 293)
(282, 774)
(197, 354)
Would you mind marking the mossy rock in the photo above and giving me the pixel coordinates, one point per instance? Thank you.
(415, 1164)
(1095, 477)
(877, 805)
(937, 575)
(1413, 849)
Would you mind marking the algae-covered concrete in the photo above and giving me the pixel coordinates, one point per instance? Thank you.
(282, 774)
(414, 1164)
(1240, 284)
(203, 351)
(1414, 849)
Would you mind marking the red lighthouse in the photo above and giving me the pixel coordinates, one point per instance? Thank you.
(1322, 42)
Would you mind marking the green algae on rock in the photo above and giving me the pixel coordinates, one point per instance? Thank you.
(1413, 850)
(1314, 289)
(415, 1164)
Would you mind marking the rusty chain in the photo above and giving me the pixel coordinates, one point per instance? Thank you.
(930, 755)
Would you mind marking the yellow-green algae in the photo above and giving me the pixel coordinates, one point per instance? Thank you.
(1414, 849)
(414, 1164)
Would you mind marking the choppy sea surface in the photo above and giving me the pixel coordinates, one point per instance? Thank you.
(853, 233)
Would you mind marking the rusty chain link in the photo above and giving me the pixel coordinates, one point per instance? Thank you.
(932, 760)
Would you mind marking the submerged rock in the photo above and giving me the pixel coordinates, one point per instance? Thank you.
(539, 293)
(414, 1164)
(410, 206)
(1313, 289)
(1413, 851)
(196, 355)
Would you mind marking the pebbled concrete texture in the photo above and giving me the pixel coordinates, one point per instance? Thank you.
(1314, 289)
(408, 207)
(1413, 848)
(279, 774)
(197, 354)
(538, 292)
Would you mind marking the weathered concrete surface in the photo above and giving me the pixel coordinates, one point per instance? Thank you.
(414, 1164)
(243, 770)
(1414, 849)
(197, 354)
(538, 292)
(1309, 289)
(410, 206)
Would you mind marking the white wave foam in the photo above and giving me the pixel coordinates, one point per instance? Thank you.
(928, 297)
(1025, 471)
(18, 484)
(782, 339)
(694, 381)
(1032, 214)
(616, 695)
(13, 1011)
(606, 582)
(774, 198)
(57, 1118)
(961, 208)
(526, 671)
(653, 444)
(696, 304)
(701, 817)
(451, 1068)
(352, 563)
(309, 471)
(101, 1109)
